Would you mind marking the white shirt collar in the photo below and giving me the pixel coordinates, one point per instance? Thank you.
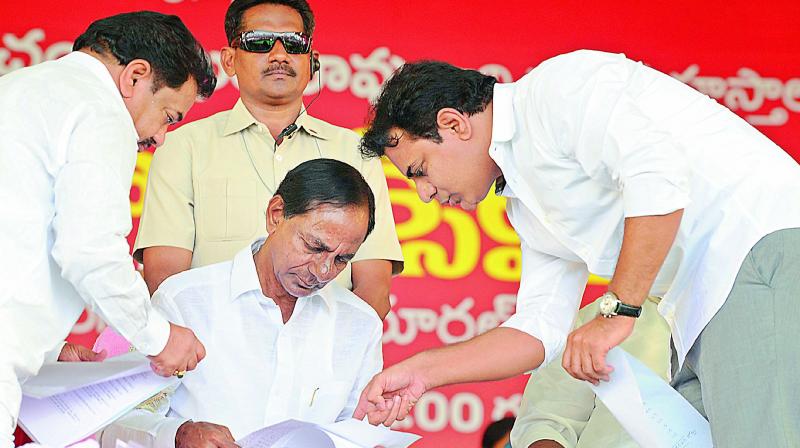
(97, 68)
(503, 127)
(244, 277)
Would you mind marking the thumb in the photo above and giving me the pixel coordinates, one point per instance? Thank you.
(101, 355)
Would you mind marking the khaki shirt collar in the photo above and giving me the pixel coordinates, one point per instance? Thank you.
(240, 119)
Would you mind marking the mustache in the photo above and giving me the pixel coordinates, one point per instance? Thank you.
(146, 143)
(280, 66)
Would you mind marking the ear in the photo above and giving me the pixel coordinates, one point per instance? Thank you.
(136, 71)
(275, 210)
(226, 56)
(450, 120)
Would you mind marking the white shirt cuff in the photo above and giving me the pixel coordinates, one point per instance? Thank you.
(152, 339)
(653, 196)
(165, 437)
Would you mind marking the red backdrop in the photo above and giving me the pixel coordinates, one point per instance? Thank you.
(462, 268)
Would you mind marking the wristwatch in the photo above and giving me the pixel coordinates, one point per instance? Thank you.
(611, 306)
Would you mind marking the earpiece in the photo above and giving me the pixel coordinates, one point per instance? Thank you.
(314, 63)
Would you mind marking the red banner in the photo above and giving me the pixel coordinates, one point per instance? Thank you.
(462, 268)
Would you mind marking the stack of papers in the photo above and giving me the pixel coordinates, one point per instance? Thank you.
(344, 434)
(69, 401)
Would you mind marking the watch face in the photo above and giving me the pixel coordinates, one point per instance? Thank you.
(608, 304)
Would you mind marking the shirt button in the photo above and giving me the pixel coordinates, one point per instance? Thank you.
(278, 157)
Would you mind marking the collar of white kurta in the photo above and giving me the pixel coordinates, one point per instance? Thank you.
(99, 70)
(240, 119)
(503, 128)
(244, 277)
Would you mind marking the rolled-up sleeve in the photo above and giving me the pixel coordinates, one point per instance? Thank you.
(549, 295)
(647, 163)
(91, 222)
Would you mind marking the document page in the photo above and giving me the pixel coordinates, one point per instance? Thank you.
(652, 412)
(66, 418)
(60, 377)
(349, 433)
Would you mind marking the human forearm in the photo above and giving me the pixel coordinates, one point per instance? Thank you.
(372, 280)
(497, 354)
(161, 262)
(645, 244)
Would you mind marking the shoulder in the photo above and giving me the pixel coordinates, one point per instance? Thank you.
(199, 130)
(196, 281)
(331, 131)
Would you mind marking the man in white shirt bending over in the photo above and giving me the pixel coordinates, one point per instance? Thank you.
(613, 168)
(69, 138)
(280, 343)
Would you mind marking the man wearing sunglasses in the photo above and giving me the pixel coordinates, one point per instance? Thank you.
(209, 186)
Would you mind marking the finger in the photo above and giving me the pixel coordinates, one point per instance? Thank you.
(566, 357)
(101, 356)
(405, 407)
(600, 366)
(575, 363)
(377, 417)
(200, 351)
(227, 433)
(393, 411)
(587, 368)
(158, 370)
(191, 363)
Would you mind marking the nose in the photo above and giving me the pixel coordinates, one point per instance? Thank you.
(425, 190)
(278, 52)
(323, 269)
(160, 136)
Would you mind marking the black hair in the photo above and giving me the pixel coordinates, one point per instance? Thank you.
(325, 182)
(235, 15)
(496, 431)
(162, 40)
(411, 99)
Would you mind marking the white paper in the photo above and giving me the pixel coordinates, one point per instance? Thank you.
(66, 418)
(60, 377)
(653, 413)
(345, 434)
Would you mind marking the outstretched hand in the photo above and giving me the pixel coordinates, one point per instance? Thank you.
(390, 395)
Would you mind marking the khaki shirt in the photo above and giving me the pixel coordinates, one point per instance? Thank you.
(210, 184)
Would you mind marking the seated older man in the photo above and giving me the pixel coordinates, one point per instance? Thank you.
(280, 343)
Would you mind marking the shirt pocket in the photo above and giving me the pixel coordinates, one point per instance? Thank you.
(325, 401)
(227, 209)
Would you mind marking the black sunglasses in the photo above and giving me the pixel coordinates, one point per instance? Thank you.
(262, 41)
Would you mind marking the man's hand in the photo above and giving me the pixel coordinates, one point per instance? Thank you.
(585, 355)
(204, 435)
(182, 352)
(390, 395)
(78, 353)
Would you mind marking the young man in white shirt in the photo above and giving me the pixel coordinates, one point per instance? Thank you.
(613, 168)
(281, 344)
(71, 129)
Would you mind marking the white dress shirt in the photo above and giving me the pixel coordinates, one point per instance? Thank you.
(67, 155)
(259, 371)
(590, 138)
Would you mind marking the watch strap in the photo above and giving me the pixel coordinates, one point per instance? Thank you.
(628, 310)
